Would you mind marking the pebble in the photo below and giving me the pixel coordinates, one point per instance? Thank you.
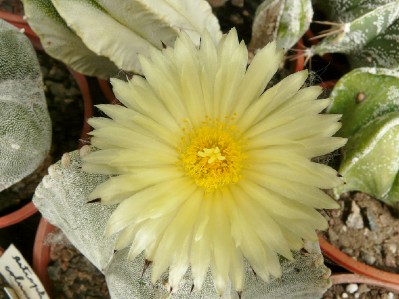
(392, 247)
(373, 222)
(355, 219)
(368, 258)
(344, 295)
(391, 295)
(351, 288)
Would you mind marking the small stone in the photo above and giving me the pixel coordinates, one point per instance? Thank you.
(390, 260)
(351, 288)
(373, 222)
(344, 295)
(368, 258)
(363, 288)
(348, 251)
(392, 247)
(391, 295)
(355, 219)
(332, 235)
(384, 219)
(356, 295)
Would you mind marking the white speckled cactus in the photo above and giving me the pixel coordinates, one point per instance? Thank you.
(284, 21)
(366, 31)
(62, 199)
(25, 126)
(105, 36)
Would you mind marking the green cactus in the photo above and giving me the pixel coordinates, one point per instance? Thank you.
(109, 35)
(284, 21)
(25, 127)
(364, 30)
(368, 98)
(62, 199)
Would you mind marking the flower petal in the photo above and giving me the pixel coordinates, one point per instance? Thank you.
(264, 65)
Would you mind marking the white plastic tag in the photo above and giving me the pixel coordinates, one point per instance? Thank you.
(20, 275)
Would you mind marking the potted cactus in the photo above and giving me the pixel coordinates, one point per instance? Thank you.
(204, 183)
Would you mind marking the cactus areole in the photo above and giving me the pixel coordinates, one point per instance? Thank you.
(209, 170)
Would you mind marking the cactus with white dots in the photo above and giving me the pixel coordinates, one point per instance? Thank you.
(25, 126)
(62, 199)
(366, 31)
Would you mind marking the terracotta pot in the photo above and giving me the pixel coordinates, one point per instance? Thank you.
(355, 278)
(107, 91)
(41, 253)
(19, 215)
(347, 262)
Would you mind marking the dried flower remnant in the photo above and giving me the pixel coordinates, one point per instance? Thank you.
(210, 169)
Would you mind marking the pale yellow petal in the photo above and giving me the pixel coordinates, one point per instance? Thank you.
(139, 123)
(168, 92)
(301, 193)
(237, 271)
(280, 207)
(137, 95)
(200, 254)
(133, 207)
(270, 100)
(221, 244)
(173, 248)
(126, 138)
(260, 220)
(147, 233)
(264, 65)
(126, 236)
(295, 111)
(116, 189)
(233, 58)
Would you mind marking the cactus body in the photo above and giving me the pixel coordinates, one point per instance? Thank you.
(368, 98)
(25, 127)
(62, 199)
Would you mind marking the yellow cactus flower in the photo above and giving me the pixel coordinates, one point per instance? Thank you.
(209, 169)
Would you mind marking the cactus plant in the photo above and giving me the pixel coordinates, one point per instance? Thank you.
(112, 34)
(25, 127)
(62, 198)
(183, 173)
(284, 21)
(364, 30)
(368, 98)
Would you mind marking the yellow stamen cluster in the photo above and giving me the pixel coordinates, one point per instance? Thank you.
(211, 154)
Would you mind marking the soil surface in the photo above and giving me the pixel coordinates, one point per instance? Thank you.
(358, 291)
(71, 274)
(365, 229)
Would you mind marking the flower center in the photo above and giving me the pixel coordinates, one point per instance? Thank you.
(211, 154)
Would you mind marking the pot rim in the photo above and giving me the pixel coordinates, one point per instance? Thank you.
(349, 263)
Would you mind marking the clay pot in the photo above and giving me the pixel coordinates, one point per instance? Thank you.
(379, 276)
(19, 215)
(41, 253)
